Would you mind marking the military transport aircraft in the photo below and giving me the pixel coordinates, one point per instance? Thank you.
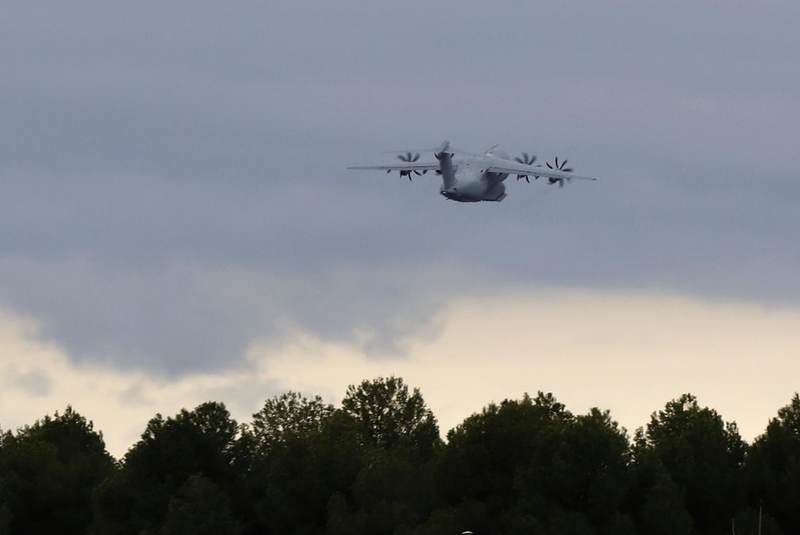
(477, 177)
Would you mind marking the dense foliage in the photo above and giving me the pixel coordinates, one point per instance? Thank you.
(377, 465)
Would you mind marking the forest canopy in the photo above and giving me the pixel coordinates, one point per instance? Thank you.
(377, 465)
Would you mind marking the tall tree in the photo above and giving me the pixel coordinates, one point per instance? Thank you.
(488, 453)
(663, 511)
(773, 468)
(391, 415)
(537, 467)
(289, 413)
(5, 520)
(47, 474)
(200, 508)
(199, 442)
(702, 455)
(394, 491)
(590, 470)
(294, 481)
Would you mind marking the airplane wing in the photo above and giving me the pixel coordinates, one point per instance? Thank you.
(516, 168)
(409, 166)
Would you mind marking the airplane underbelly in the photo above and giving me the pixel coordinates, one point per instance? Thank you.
(465, 191)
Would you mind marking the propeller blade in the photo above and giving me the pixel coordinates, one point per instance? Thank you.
(526, 159)
(563, 164)
(548, 165)
(568, 170)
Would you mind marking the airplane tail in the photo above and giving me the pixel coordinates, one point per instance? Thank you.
(446, 165)
(444, 153)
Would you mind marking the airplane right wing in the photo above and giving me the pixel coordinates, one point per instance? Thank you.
(515, 168)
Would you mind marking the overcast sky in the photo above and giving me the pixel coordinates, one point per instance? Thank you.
(174, 205)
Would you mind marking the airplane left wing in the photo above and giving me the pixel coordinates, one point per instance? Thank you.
(410, 166)
(516, 168)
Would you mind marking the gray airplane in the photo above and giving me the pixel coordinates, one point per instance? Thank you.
(477, 177)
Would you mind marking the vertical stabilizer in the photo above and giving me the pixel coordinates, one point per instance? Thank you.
(446, 164)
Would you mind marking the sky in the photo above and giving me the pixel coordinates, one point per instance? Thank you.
(177, 224)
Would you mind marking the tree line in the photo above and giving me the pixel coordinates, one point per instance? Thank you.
(377, 465)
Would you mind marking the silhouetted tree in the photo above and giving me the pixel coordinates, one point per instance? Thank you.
(537, 467)
(199, 442)
(200, 508)
(773, 468)
(47, 473)
(289, 413)
(391, 415)
(664, 511)
(377, 466)
(306, 470)
(703, 457)
(5, 520)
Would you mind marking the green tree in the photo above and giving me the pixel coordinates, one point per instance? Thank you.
(702, 455)
(200, 508)
(590, 470)
(47, 474)
(289, 413)
(199, 442)
(773, 468)
(393, 491)
(663, 511)
(488, 452)
(537, 467)
(390, 415)
(5, 520)
(294, 482)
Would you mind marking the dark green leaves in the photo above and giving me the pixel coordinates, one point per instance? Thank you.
(377, 466)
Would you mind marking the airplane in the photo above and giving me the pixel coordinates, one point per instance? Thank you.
(477, 177)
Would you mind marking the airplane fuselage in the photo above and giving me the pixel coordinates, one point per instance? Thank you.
(471, 183)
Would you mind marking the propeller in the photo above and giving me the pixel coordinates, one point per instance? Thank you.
(527, 160)
(559, 167)
(408, 157)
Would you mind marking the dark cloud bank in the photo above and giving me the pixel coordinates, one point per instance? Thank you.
(172, 183)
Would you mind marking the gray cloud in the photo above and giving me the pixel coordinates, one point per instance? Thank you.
(35, 382)
(172, 183)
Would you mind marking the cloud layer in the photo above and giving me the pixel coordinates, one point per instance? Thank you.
(629, 353)
(172, 185)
